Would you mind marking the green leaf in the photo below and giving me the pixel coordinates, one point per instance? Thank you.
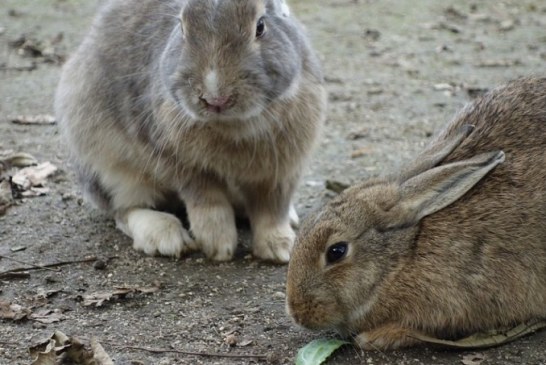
(315, 352)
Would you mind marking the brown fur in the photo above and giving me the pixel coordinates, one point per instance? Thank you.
(477, 264)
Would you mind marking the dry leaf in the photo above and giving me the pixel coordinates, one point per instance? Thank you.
(487, 339)
(361, 152)
(41, 293)
(336, 186)
(60, 348)
(473, 359)
(13, 311)
(47, 316)
(34, 191)
(44, 354)
(9, 159)
(244, 343)
(498, 63)
(17, 248)
(40, 119)
(34, 175)
(97, 299)
(6, 196)
(100, 356)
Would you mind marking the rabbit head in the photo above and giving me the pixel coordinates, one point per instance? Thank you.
(229, 59)
(346, 252)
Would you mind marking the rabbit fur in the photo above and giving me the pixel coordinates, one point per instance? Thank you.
(218, 103)
(453, 244)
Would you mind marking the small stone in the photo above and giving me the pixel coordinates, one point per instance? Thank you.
(231, 340)
(99, 265)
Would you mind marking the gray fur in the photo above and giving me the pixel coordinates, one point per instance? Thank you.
(130, 106)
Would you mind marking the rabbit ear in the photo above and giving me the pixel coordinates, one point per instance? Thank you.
(439, 187)
(280, 7)
(434, 154)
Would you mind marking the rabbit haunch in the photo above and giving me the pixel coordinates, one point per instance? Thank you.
(217, 103)
(454, 243)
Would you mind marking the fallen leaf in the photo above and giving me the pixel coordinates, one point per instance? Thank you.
(231, 339)
(47, 316)
(46, 51)
(60, 348)
(40, 119)
(6, 196)
(317, 351)
(498, 63)
(361, 152)
(34, 175)
(41, 293)
(487, 339)
(15, 275)
(13, 311)
(100, 356)
(473, 359)
(44, 354)
(9, 159)
(34, 192)
(336, 186)
(97, 299)
(244, 343)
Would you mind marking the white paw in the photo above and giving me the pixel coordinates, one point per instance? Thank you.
(274, 243)
(293, 215)
(156, 232)
(214, 231)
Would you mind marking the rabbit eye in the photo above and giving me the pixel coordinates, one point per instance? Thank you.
(336, 252)
(260, 28)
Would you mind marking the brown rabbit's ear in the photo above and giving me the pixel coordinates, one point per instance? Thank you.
(435, 153)
(439, 187)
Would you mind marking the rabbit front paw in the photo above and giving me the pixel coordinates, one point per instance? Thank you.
(274, 243)
(293, 216)
(155, 232)
(214, 231)
(390, 336)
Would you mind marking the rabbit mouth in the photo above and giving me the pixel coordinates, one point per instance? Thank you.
(217, 105)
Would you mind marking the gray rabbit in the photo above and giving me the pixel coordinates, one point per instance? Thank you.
(453, 244)
(218, 103)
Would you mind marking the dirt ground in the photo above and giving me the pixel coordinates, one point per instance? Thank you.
(395, 70)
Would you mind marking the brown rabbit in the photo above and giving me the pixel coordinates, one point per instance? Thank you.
(454, 244)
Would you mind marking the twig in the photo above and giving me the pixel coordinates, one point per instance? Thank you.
(33, 266)
(7, 343)
(48, 266)
(18, 68)
(192, 353)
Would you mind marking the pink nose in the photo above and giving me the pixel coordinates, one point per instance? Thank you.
(218, 101)
(216, 104)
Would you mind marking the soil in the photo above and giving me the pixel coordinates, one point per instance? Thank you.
(395, 70)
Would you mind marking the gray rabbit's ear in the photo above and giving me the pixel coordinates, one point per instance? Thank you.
(280, 7)
(435, 153)
(439, 187)
(285, 10)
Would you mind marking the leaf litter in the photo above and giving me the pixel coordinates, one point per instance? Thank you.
(98, 299)
(22, 177)
(317, 351)
(59, 348)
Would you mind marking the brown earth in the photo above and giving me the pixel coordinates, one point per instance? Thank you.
(395, 70)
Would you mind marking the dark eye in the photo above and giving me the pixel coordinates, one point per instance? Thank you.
(260, 28)
(336, 252)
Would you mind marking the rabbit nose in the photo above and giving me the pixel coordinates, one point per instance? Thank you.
(216, 103)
